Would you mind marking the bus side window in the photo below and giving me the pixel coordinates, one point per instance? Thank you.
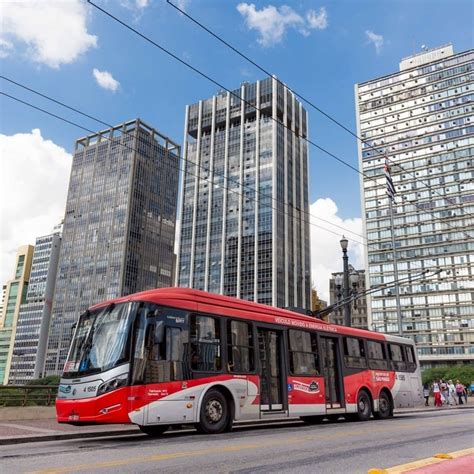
(354, 353)
(377, 356)
(240, 347)
(411, 361)
(397, 356)
(205, 342)
(303, 353)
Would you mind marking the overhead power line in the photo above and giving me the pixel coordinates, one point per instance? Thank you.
(203, 168)
(310, 103)
(221, 86)
(184, 170)
(211, 181)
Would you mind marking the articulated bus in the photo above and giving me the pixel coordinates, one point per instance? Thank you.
(178, 356)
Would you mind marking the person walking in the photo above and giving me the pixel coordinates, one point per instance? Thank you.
(437, 394)
(459, 391)
(444, 392)
(426, 394)
(452, 393)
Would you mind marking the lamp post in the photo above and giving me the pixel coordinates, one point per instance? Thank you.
(345, 290)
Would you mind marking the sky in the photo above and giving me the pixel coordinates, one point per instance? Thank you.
(71, 51)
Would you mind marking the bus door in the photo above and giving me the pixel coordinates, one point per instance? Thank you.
(272, 376)
(330, 362)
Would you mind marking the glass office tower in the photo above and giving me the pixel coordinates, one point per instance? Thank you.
(119, 225)
(422, 118)
(245, 226)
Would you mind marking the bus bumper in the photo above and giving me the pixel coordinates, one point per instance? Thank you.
(108, 408)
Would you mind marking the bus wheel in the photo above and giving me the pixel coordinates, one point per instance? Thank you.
(155, 430)
(214, 417)
(363, 406)
(385, 407)
(312, 420)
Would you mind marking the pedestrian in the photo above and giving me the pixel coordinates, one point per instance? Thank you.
(465, 394)
(459, 391)
(452, 393)
(426, 394)
(437, 394)
(444, 391)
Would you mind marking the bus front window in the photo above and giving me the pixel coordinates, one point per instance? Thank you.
(100, 341)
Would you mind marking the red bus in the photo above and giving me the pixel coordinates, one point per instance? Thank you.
(179, 356)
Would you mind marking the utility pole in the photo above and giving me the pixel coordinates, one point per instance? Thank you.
(345, 287)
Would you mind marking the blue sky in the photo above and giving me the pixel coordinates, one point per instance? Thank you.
(322, 63)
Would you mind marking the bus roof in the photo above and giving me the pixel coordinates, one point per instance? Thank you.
(211, 303)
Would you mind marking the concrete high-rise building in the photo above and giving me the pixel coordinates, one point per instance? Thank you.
(32, 328)
(244, 219)
(14, 296)
(119, 224)
(358, 306)
(421, 117)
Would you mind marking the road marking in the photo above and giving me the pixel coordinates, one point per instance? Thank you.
(437, 458)
(235, 448)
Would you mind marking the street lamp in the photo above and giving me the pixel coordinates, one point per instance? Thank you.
(347, 307)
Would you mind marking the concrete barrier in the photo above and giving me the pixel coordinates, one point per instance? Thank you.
(27, 413)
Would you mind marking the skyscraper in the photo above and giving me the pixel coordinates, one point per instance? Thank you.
(119, 225)
(32, 328)
(244, 219)
(14, 296)
(421, 118)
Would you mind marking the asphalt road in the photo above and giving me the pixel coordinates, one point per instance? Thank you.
(333, 447)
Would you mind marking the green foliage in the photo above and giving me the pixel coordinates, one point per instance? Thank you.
(463, 373)
(14, 397)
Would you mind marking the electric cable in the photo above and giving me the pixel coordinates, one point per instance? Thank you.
(311, 104)
(206, 76)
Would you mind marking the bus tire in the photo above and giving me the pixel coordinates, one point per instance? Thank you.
(214, 413)
(312, 420)
(154, 430)
(363, 406)
(385, 407)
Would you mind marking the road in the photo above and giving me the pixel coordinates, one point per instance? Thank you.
(333, 447)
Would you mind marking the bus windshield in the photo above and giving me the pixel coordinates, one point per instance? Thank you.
(100, 341)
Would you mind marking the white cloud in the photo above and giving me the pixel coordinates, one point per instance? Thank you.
(326, 254)
(376, 40)
(182, 4)
(33, 189)
(135, 4)
(317, 20)
(6, 48)
(106, 80)
(272, 22)
(54, 31)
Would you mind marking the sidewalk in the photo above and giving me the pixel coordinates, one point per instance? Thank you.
(29, 431)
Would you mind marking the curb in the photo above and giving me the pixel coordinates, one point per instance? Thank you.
(135, 431)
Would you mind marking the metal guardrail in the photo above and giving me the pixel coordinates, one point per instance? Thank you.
(27, 395)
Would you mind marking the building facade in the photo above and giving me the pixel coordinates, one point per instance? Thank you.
(358, 306)
(15, 294)
(245, 225)
(421, 118)
(32, 329)
(119, 224)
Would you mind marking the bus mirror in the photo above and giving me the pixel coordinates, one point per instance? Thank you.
(159, 332)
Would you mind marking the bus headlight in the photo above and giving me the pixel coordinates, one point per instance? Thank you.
(113, 384)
